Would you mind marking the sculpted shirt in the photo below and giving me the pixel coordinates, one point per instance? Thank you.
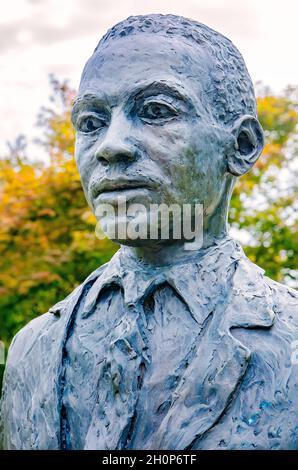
(133, 335)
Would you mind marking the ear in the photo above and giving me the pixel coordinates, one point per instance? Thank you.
(249, 143)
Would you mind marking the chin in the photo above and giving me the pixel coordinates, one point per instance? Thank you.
(135, 243)
(135, 232)
(128, 239)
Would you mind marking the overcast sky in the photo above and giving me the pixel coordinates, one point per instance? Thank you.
(38, 37)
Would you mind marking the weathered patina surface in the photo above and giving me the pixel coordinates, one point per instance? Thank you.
(162, 347)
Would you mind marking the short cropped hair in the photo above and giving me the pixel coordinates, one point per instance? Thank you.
(232, 93)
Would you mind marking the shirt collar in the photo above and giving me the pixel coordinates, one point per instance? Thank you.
(198, 282)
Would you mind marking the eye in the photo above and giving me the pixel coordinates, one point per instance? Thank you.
(155, 111)
(90, 123)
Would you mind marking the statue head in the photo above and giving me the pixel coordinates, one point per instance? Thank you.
(165, 113)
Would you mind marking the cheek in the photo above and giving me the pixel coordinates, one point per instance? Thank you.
(190, 158)
(198, 166)
(85, 160)
(165, 145)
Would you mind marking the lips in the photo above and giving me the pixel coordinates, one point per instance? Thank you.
(121, 184)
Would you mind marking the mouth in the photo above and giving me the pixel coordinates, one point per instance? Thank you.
(119, 186)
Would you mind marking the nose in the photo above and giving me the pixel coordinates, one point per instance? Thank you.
(116, 146)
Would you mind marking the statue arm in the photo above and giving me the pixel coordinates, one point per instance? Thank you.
(15, 390)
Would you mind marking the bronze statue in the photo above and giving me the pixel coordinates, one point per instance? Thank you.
(165, 346)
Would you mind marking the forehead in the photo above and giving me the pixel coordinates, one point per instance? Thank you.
(124, 64)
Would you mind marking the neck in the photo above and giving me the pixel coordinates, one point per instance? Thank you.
(159, 255)
(166, 253)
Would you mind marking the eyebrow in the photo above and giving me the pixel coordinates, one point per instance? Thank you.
(100, 100)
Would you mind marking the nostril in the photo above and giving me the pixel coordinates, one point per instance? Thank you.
(106, 158)
(125, 157)
(103, 161)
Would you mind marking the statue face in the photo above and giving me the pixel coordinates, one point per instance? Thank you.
(144, 125)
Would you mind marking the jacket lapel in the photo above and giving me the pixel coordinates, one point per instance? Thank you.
(45, 407)
(117, 393)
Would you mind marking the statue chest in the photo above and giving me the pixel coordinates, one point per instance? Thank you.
(121, 367)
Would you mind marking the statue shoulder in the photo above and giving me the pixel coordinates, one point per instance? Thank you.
(285, 300)
(24, 339)
(27, 336)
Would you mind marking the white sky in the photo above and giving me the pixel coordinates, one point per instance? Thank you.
(38, 37)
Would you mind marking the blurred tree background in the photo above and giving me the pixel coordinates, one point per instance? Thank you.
(47, 239)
